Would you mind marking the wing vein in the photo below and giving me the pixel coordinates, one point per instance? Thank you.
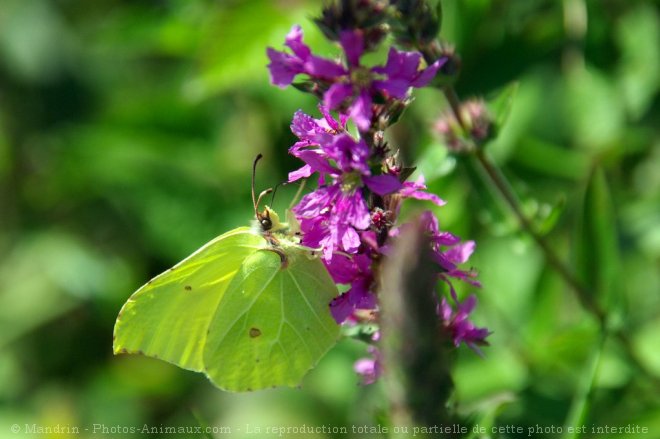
(309, 305)
(248, 307)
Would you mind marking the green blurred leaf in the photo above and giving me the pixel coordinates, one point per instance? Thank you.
(548, 215)
(550, 159)
(502, 371)
(501, 103)
(47, 275)
(40, 53)
(236, 44)
(596, 246)
(594, 109)
(581, 401)
(638, 37)
(646, 344)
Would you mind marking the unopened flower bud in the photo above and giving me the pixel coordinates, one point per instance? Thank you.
(448, 73)
(417, 24)
(368, 16)
(471, 132)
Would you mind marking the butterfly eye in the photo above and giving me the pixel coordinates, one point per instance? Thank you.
(266, 223)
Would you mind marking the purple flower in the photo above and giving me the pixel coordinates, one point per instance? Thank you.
(351, 86)
(449, 259)
(332, 215)
(417, 190)
(284, 67)
(369, 368)
(355, 271)
(460, 328)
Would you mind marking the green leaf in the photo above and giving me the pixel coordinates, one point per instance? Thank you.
(596, 249)
(581, 400)
(593, 109)
(236, 53)
(501, 103)
(646, 345)
(638, 36)
(549, 215)
(551, 159)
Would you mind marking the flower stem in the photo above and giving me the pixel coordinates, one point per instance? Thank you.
(454, 103)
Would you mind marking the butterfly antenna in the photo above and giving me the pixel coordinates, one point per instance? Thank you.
(272, 197)
(254, 173)
(261, 195)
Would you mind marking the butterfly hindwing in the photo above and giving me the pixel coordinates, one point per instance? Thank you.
(273, 324)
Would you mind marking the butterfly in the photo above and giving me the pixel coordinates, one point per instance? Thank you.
(250, 309)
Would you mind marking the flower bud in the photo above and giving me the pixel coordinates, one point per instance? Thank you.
(368, 16)
(448, 73)
(473, 130)
(417, 24)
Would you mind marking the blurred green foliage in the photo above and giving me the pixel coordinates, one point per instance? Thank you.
(127, 131)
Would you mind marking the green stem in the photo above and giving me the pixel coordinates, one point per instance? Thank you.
(454, 103)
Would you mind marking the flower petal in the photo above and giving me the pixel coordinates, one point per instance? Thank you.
(426, 75)
(382, 184)
(283, 67)
(360, 111)
(395, 88)
(353, 44)
(332, 123)
(460, 253)
(342, 269)
(294, 42)
(336, 95)
(317, 161)
(417, 190)
(323, 68)
(303, 172)
(401, 65)
(341, 308)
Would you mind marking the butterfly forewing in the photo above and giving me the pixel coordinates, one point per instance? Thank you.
(169, 317)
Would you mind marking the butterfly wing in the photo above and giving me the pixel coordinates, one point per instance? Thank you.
(273, 323)
(169, 316)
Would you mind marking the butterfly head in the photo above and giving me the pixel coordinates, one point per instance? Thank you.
(269, 221)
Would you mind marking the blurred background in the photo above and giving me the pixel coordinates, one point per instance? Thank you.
(127, 133)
